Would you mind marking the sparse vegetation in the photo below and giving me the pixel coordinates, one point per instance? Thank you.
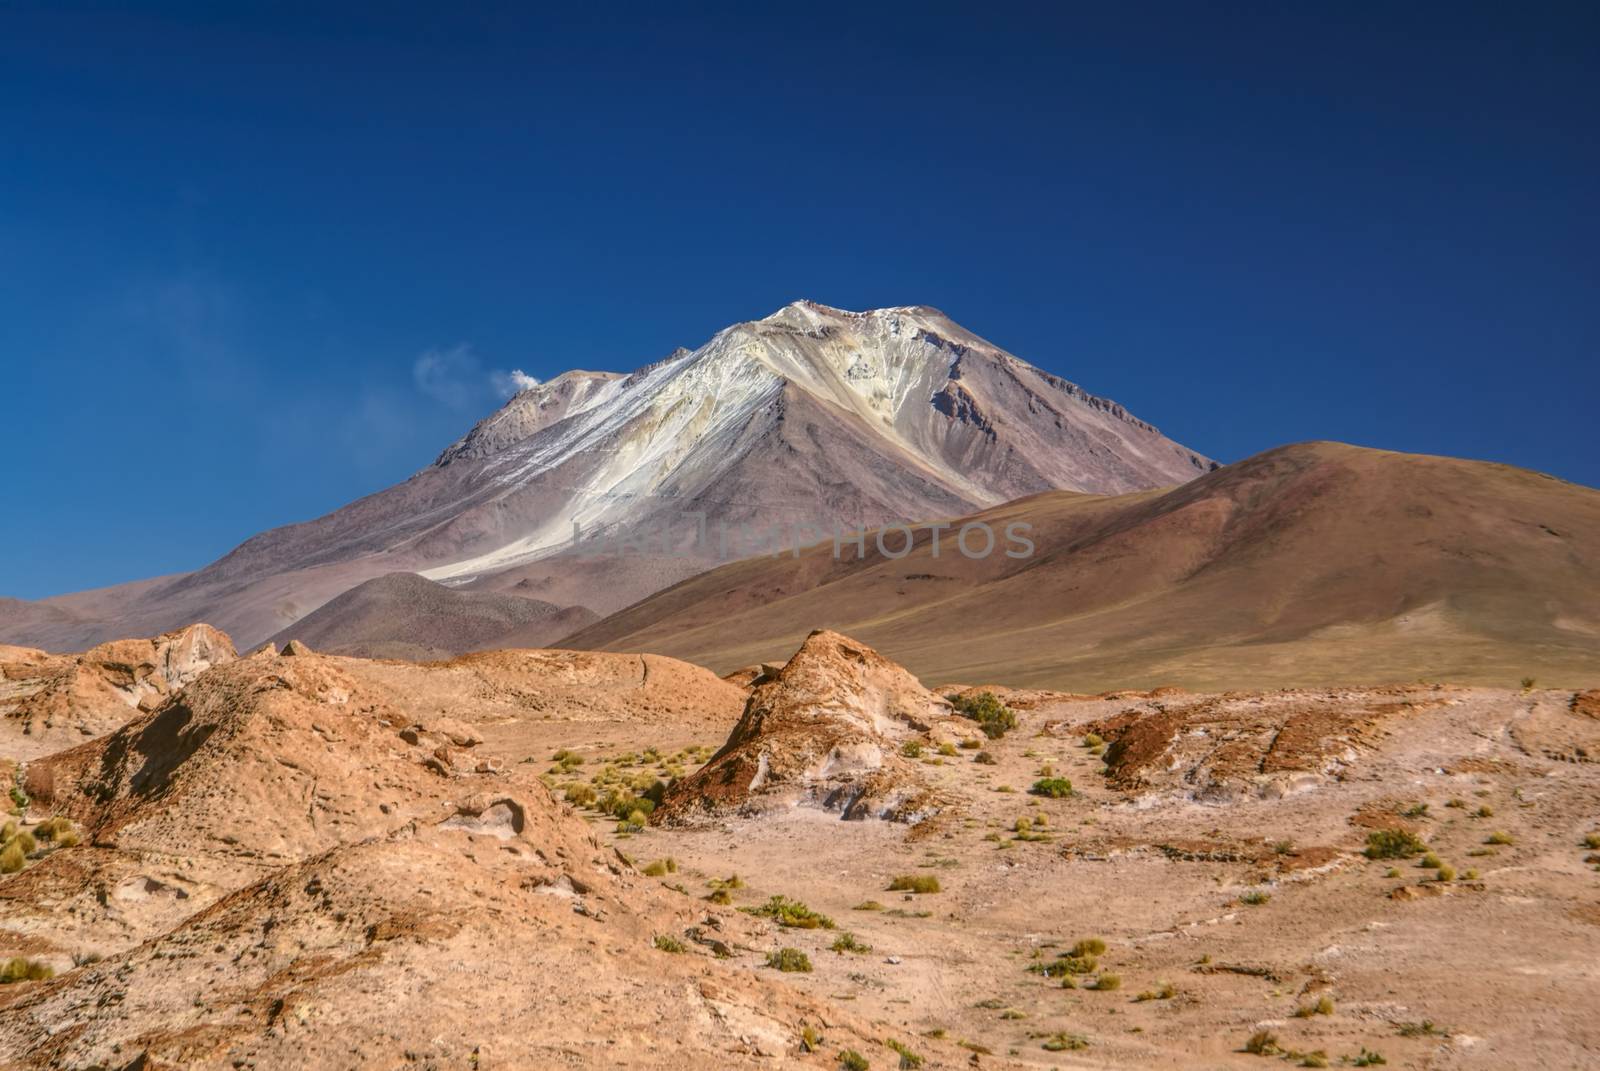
(1484, 812)
(1446, 873)
(911, 749)
(1106, 982)
(18, 969)
(1499, 837)
(668, 943)
(1416, 810)
(52, 828)
(1591, 841)
(909, 1060)
(1323, 1006)
(1255, 897)
(993, 717)
(1528, 683)
(847, 942)
(1263, 1043)
(984, 758)
(1089, 946)
(12, 857)
(868, 905)
(851, 1060)
(1064, 1043)
(1429, 861)
(1393, 844)
(1052, 787)
(791, 914)
(790, 961)
(1367, 1058)
(1164, 991)
(915, 883)
(1424, 1029)
(661, 868)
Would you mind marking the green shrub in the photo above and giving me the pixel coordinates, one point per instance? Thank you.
(1591, 840)
(1430, 861)
(1093, 740)
(1323, 1006)
(791, 914)
(984, 758)
(915, 883)
(1367, 1058)
(868, 905)
(1089, 946)
(846, 942)
(1484, 812)
(1424, 1029)
(1165, 991)
(51, 828)
(12, 857)
(1393, 844)
(909, 1061)
(1064, 966)
(790, 961)
(1499, 838)
(993, 717)
(1447, 873)
(1053, 787)
(670, 944)
(851, 1060)
(1064, 1043)
(1263, 1043)
(720, 896)
(911, 749)
(1255, 898)
(18, 969)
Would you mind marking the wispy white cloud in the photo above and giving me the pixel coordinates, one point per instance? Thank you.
(512, 383)
(452, 377)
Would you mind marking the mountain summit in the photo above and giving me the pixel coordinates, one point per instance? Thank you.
(812, 416)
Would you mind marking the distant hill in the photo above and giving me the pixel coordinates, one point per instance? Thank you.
(1312, 563)
(403, 615)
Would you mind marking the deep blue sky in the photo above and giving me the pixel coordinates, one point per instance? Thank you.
(228, 232)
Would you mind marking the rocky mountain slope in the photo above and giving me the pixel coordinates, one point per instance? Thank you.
(811, 417)
(1308, 564)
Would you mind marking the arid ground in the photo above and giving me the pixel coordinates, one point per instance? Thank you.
(300, 860)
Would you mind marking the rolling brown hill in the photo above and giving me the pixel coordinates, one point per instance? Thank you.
(1308, 564)
(403, 615)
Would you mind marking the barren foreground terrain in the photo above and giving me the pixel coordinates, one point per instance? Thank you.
(301, 860)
